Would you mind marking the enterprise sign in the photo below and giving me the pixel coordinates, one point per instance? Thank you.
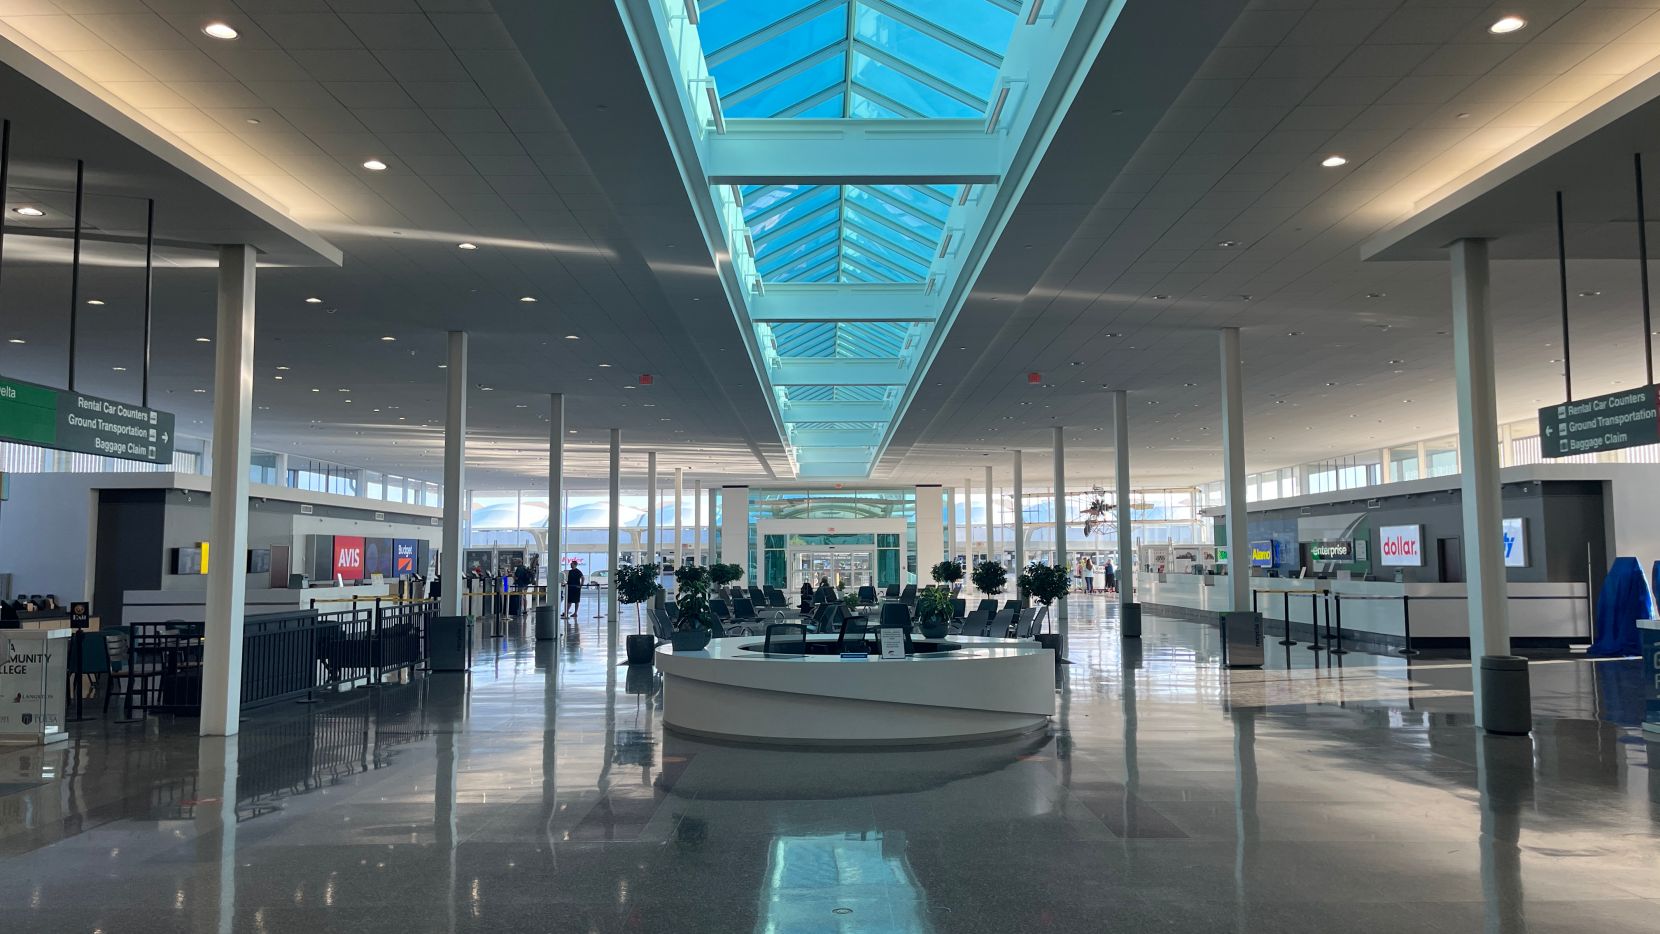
(1331, 551)
(70, 421)
(1605, 423)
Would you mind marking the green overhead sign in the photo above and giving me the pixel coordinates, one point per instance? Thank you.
(71, 421)
(1623, 419)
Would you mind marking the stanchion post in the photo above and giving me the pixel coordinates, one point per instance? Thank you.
(1285, 610)
(1314, 621)
(1337, 646)
(1406, 625)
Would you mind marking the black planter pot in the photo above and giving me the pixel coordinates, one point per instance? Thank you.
(640, 649)
(693, 640)
(934, 629)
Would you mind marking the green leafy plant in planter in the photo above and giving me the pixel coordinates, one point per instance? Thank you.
(635, 585)
(990, 578)
(948, 572)
(695, 621)
(933, 612)
(1044, 583)
(722, 574)
(851, 601)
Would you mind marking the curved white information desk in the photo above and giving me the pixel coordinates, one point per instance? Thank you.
(731, 690)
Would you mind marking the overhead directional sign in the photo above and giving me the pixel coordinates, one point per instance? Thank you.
(70, 421)
(1604, 423)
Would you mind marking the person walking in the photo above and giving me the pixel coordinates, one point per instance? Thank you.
(1089, 575)
(573, 591)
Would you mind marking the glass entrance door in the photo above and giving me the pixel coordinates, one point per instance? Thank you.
(846, 570)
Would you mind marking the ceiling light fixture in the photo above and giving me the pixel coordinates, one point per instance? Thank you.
(94, 301)
(282, 368)
(27, 211)
(466, 246)
(16, 340)
(1227, 243)
(217, 30)
(1333, 161)
(204, 340)
(313, 300)
(375, 165)
(605, 366)
(572, 337)
(529, 299)
(388, 338)
(1506, 24)
(119, 369)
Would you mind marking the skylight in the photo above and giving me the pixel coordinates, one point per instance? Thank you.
(862, 59)
(848, 161)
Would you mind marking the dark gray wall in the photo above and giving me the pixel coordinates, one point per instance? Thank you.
(1562, 517)
(130, 526)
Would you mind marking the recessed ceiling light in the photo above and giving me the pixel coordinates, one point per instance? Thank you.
(198, 390)
(119, 369)
(571, 431)
(1506, 24)
(1374, 294)
(1161, 297)
(389, 338)
(1589, 294)
(218, 30)
(16, 340)
(375, 165)
(572, 337)
(276, 377)
(252, 121)
(605, 366)
(1227, 243)
(1333, 161)
(466, 246)
(94, 301)
(315, 389)
(313, 300)
(204, 340)
(282, 368)
(342, 390)
(27, 211)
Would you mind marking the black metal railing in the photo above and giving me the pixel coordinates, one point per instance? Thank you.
(289, 654)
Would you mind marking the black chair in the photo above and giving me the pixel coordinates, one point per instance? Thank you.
(743, 609)
(722, 612)
(892, 592)
(1000, 623)
(662, 625)
(757, 597)
(785, 639)
(898, 616)
(1011, 604)
(1024, 623)
(974, 624)
(908, 595)
(989, 605)
(775, 599)
(867, 595)
(855, 628)
(827, 617)
(959, 607)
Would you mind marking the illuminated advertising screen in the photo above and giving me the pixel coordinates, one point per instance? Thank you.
(1265, 554)
(1401, 546)
(403, 556)
(348, 557)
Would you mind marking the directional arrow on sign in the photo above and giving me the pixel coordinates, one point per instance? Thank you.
(164, 437)
(1549, 431)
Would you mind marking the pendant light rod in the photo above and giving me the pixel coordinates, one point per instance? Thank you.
(75, 268)
(149, 288)
(1562, 277)
(1642, 266)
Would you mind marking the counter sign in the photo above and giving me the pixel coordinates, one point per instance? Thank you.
(71, 421)
(1603, 423)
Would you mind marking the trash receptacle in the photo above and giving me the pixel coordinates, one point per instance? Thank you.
(1506, 701)
(546, 629)
(450, 643)
(1241, 639)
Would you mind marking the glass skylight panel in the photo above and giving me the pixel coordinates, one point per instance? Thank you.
(843, 339)
(904, 59)
(854, 233)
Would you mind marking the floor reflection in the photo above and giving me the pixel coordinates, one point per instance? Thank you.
(541, 792)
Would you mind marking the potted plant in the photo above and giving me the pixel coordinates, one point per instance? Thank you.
(990, 578)
(1047, 584)
(695, 621)
(635, 585)
(933, 612)
(948, 573)
(851, 601)
(722, 574)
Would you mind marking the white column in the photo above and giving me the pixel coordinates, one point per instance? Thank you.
(697, 521)
(1019, 484)
(930, 531)
(455, 478)
(613, 542)
(1060, 523)
(1233, 472)
(679, 523)
(282, 470)
(233, 395)
(1121, 480)
(556, 499)
(1478, 439)
(734, 528)
(714, 502)
(951, 524)
(991, 554)
(651, 508)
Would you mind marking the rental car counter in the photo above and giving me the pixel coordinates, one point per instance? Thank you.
(950, 690)
(1380, 611)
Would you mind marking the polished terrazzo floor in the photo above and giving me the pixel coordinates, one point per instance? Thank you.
(541, 794)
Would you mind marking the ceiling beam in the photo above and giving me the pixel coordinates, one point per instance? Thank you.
(852, 152)
(837, 437)
(840, 371)
(843, 303)
(837, 411)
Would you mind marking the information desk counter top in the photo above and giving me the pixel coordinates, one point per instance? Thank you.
(976, 688)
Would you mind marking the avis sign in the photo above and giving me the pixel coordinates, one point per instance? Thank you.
(1618, 420)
